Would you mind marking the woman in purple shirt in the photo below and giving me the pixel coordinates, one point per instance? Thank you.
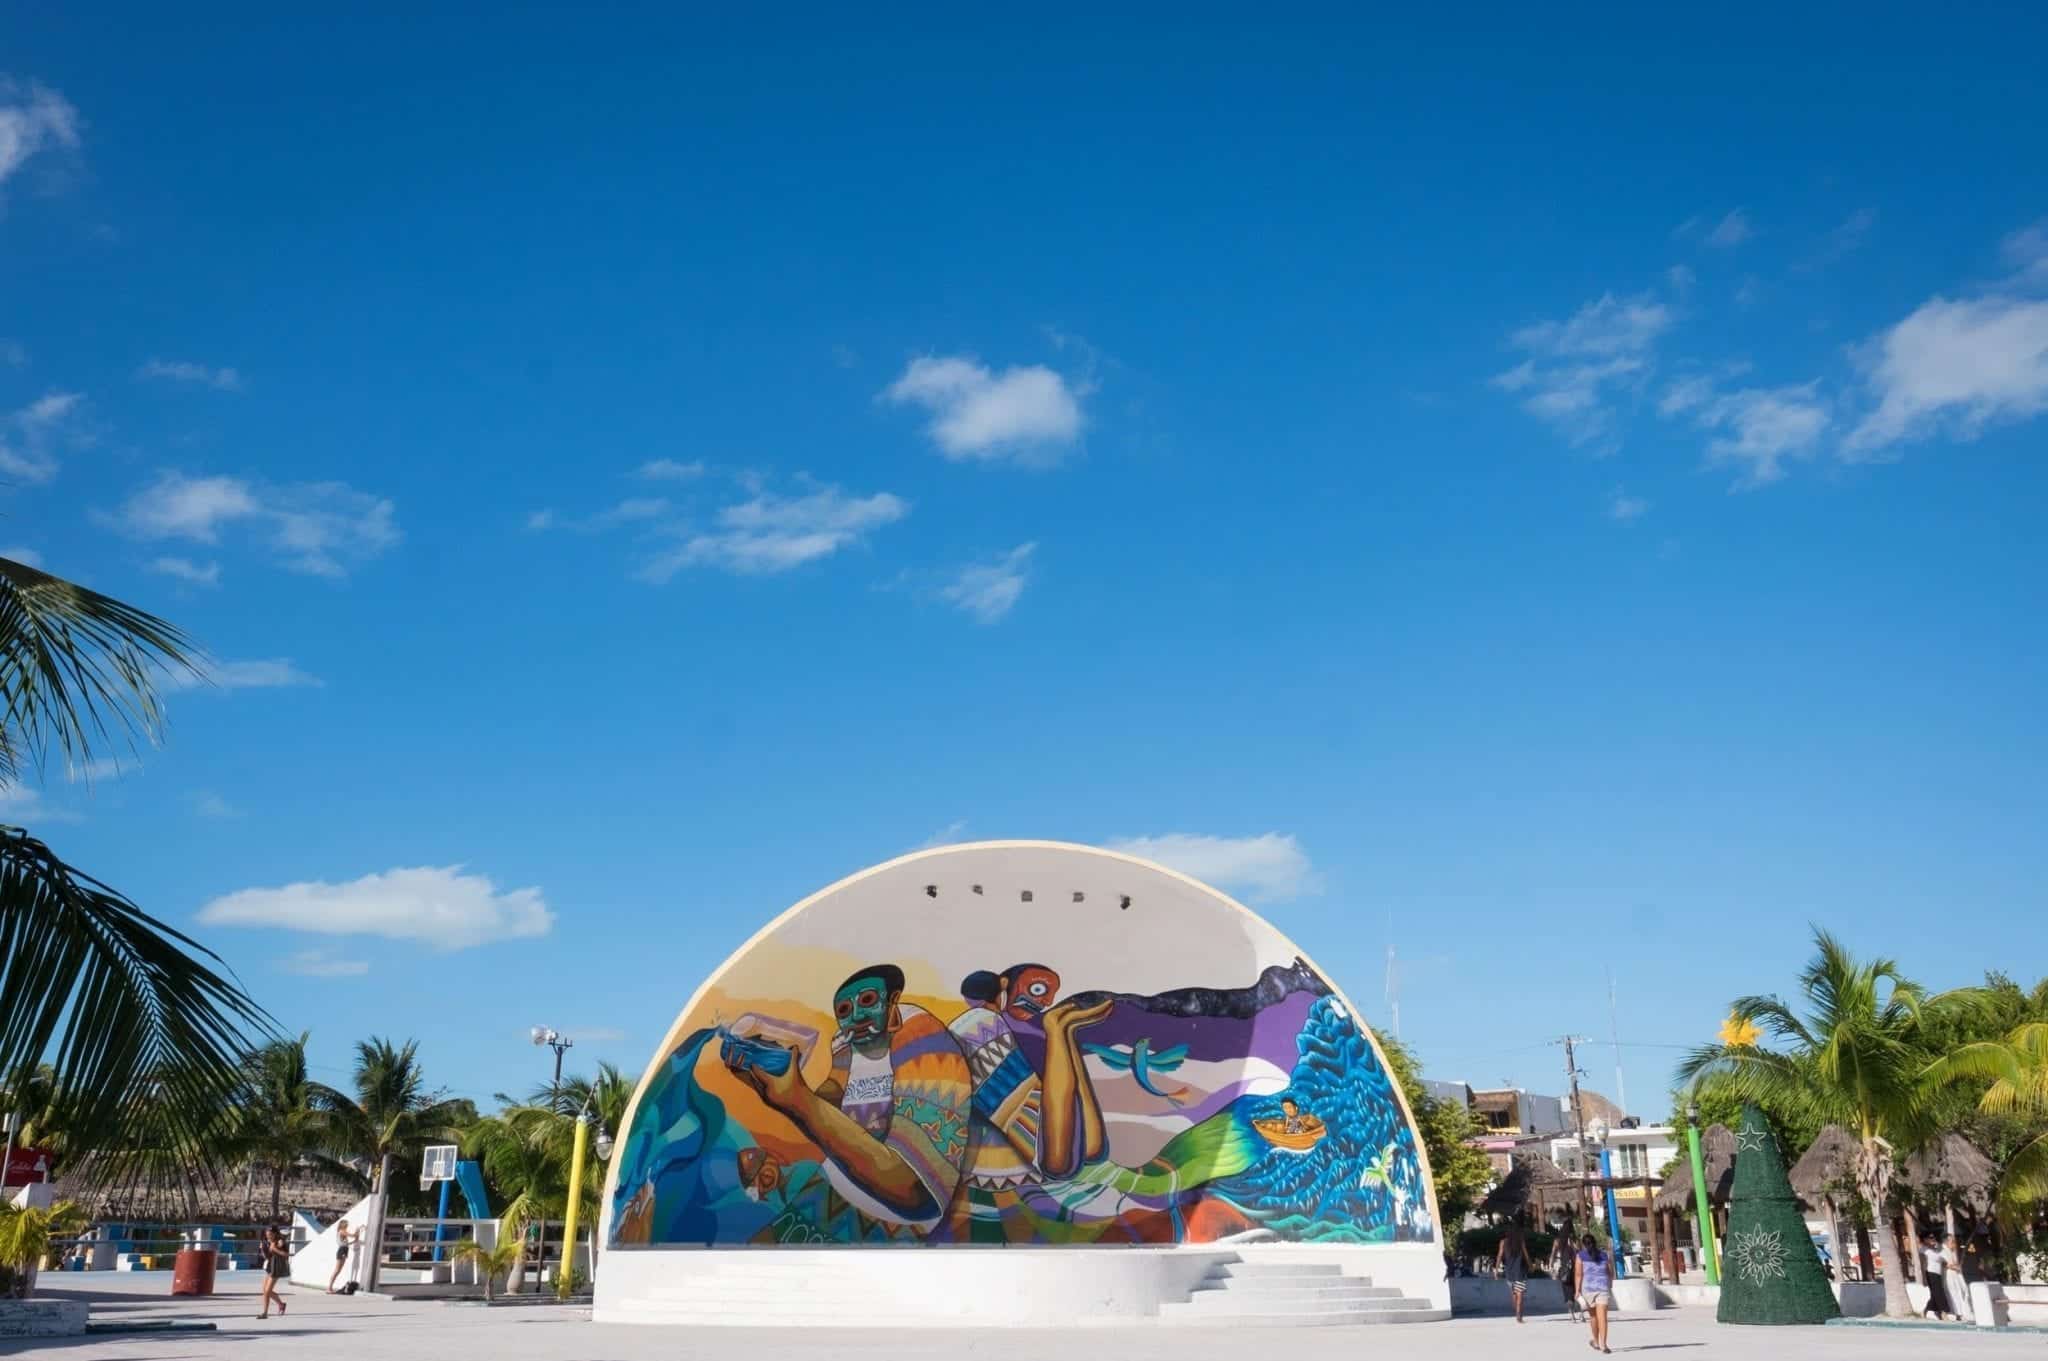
(1596, 1284)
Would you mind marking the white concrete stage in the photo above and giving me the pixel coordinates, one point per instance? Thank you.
(1280, 1284)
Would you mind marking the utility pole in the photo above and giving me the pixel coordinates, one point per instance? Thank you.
(1394, 989)
(1571, 1073)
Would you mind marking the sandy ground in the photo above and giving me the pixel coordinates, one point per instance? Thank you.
(361, 1329)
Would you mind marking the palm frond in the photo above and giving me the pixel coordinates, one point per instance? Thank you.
(75, 666)
(113, 998)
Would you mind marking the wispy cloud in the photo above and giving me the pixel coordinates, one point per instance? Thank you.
(2026, 250)
(28, 436)
(1624, 508)
(989, 590)
(33, 119)
(444, 908)
(1843, 240)
(771, 533)
(1956, 368)
(669, 470)
(1028, 414)
(950, 834)
(1754, 429)
(187, 571)
(1681, 278)
(101, 770)
(184, 371)
(207, 804)
(264, 674)
(25, 803)
(540, 519)
(322, 964)
(1268, 868)
(1732, 230)
(1579, 366)
(319, 528)
(27, 557)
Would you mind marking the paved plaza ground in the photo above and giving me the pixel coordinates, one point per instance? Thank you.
(361, 1329)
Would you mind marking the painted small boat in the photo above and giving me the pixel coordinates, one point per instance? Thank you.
(1300, 1140)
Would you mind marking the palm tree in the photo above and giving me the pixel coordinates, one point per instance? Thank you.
(26, 1237)
(89, 982)
(491, 1262)
(284, 1117)
(394, 1114)
(1856, 1059)
(524, 1160)
(2016, 1069)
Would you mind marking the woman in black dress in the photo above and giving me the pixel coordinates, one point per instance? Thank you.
(277, 1265)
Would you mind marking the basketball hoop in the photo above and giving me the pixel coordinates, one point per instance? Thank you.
(437, 1164)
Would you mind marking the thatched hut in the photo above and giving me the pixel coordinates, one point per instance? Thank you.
(239, 1196)
(1675, 1200)
(1951, 1171)
(1820, 1178)
(1535, 1184)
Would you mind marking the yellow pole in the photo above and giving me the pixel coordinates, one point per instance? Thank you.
(575, 1196)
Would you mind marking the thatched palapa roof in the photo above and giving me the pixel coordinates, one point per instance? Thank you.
(240, 1196)
(1717, 1153)
(1953, 1161)
(1534, 1183)
(1829, 1162)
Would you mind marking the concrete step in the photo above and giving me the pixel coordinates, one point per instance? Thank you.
(1316, 1287)
(1229, 1303)
(1263, 1270)
(1182, 1315)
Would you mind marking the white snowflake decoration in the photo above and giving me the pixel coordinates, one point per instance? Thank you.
(1758, 1254)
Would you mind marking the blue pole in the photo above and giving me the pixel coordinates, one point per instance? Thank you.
(1613, 1213)
(441, 1220)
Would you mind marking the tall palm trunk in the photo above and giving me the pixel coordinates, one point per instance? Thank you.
(1873, 1175)
(276, 1188)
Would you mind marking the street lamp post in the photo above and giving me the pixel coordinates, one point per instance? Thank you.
(560, 1043)
(1710, 1251)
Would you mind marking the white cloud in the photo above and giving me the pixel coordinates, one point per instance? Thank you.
(100, 770)
(988, 590)
(1625, 508)
(187, 571)
(1731, 230)
(771, 533)
(668, 470)
(27, 434)
(1265, 868)
(268, 674)
(1843, 240)
(24, 803)
(320, 528)
(540, 519)
(27, 557)
(1579, 365)
(440, 907)
(950, 834)
(633, 510)
(1681, 278)
(33, 119)
(1027, 413)
(184, 371)
(2026, 250)
(323, 964)
(211, 805)
(1956, 368)
(1759, 428)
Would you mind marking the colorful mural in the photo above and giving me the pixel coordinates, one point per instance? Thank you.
(852, 1077)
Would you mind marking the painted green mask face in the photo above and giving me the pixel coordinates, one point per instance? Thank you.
(862, 1007)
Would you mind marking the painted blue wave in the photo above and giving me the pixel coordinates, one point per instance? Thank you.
(1362, 1183)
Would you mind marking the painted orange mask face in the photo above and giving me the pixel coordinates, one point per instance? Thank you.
(1031, 992)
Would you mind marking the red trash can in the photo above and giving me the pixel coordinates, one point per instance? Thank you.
(192, 1272)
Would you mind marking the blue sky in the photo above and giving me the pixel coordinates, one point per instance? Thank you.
(1554, 498)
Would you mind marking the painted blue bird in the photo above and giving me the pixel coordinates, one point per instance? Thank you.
(1140, 1062)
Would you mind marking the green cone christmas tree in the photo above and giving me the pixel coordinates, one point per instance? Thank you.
(1770, 1272)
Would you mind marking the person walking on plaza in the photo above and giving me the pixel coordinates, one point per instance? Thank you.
(1934, 1273)
(277, 1265)
(1958, 1281)
(1564, 1266)
(1512, 1257)
(341, 1239)
(1595, 1278)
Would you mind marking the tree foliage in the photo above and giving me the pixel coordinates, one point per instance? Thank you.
(1462, 1172)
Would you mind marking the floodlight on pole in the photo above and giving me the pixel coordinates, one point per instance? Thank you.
(560, 1043)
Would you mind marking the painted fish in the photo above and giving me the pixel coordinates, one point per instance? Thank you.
(1141, 1063)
